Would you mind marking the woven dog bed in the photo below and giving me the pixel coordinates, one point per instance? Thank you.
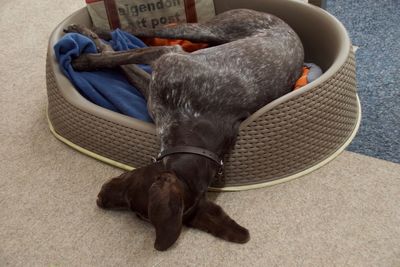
(285, 139)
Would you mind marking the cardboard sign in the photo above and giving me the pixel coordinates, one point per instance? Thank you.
(136, 14)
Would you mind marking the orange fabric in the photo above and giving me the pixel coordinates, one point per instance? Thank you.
(303, 79)
(186, 45)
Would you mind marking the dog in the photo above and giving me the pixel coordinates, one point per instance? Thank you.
(197, 101)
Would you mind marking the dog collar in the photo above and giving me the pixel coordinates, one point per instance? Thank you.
(190, 150)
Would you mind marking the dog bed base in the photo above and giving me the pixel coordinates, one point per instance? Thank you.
(225, 188)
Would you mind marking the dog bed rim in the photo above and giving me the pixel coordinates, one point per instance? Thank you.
(73, 97)
(228, 188)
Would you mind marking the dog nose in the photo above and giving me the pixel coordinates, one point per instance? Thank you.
(100, 202)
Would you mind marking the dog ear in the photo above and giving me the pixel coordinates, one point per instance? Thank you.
(211, 218)
(165, 209)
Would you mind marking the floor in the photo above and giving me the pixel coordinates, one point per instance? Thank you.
(374, 27)
(344, 214)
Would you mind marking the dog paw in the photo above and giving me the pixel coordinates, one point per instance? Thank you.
(74, 28)
(238, 234)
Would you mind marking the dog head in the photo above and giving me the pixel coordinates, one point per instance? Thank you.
(152, 192)
(168, 203)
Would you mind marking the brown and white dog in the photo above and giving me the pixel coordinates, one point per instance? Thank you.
(197, 101)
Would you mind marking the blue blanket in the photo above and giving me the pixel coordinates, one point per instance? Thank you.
(106, 88)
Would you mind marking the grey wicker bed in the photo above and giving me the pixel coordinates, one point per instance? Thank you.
(285, 139)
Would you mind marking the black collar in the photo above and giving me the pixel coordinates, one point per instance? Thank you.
(190, 150)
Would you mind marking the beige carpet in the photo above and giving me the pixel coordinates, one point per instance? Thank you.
(345, 214)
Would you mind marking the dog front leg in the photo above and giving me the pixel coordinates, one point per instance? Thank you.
(108, 58)
(112, 59)
(138, 78)
(211, 218)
